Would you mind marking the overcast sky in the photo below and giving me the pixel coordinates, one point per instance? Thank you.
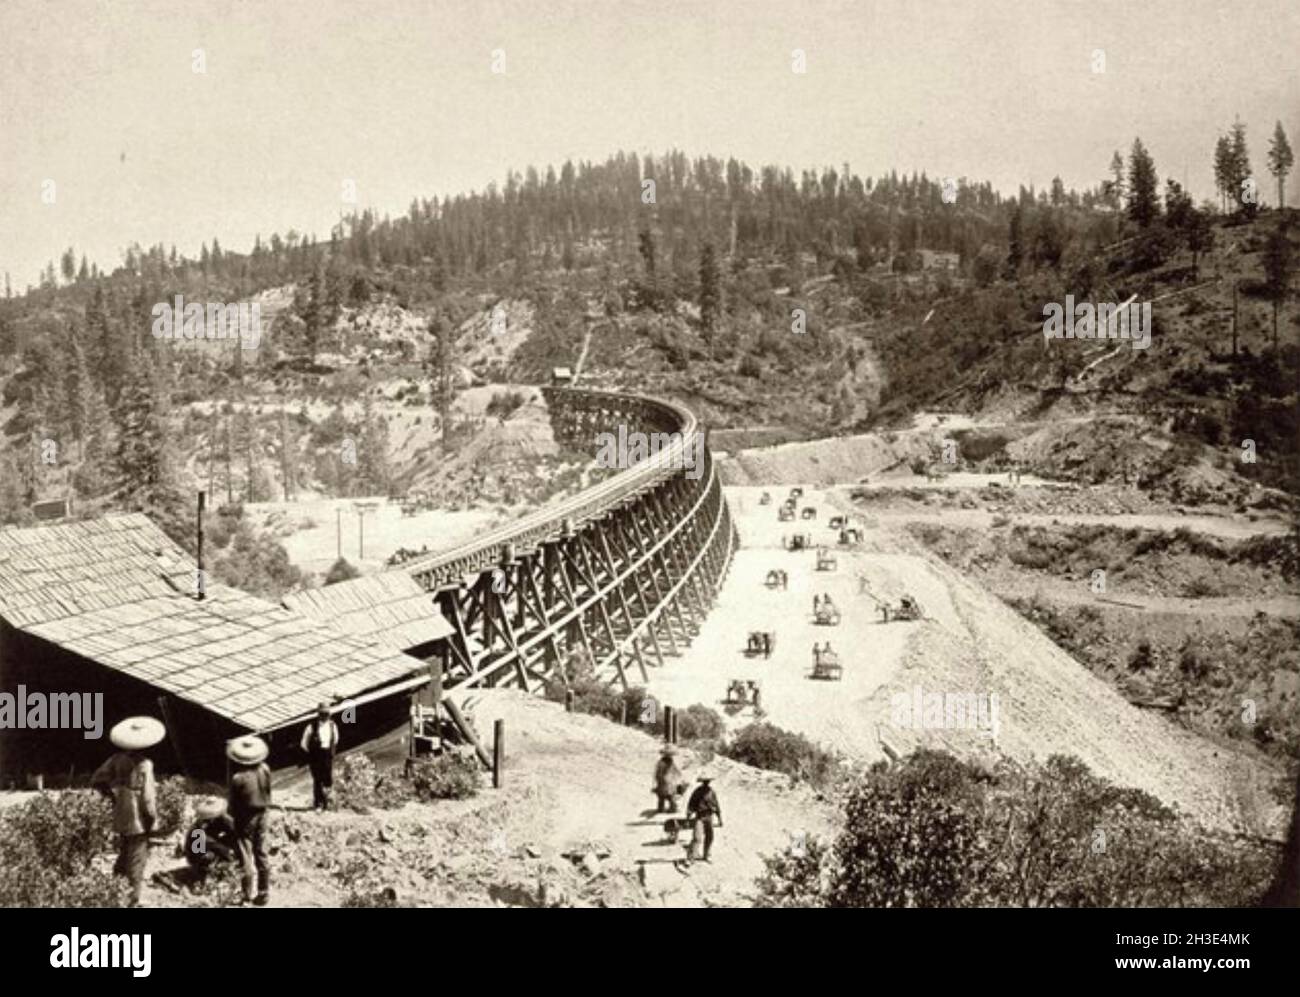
(400, 97)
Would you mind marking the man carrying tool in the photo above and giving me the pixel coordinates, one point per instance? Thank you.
(320, 740)
(249, 798)
(127, 779)
(704, 811)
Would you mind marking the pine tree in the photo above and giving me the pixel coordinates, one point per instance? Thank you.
(1223, 169)
(1142, 206)
(1200, 237)
(96, 470)
(439, 368)
(1277, 267)
(1241, 172)
(106, 345)
(710, 291)
(80, 387)
(1280, 161)
(143, 458)
(1117, 185)
(1015, 244)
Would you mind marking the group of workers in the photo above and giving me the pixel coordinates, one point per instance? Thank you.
(703, 811)
(127, 779)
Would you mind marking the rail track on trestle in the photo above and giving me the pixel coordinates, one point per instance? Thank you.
(626, 570)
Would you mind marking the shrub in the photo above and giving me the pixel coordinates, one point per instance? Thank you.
(360, 786)
(504, 404)
(173, 805)
(767, 746)
(341, 571)
(699, 723)
(935, 831)
(449, 776)
(47, 850)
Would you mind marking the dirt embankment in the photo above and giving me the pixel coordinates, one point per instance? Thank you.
(573, 826)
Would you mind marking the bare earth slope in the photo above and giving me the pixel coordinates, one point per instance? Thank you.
(970, 642)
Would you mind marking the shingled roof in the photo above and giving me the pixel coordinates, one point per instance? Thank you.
(118, 592)
(390, 607)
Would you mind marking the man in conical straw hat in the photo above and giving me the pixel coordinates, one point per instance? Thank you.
(249, 798)
(127, 779)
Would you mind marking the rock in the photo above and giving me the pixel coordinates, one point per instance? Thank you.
(533, 851)
(590, 864)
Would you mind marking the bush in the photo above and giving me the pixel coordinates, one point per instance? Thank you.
(933, 831)
(341, 571)
(48, 848)
(449, 776)
(361, 787)
(173, 805)
(699, 723)
(767, 746)
(504, 404)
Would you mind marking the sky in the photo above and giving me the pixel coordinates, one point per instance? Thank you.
(399, 96)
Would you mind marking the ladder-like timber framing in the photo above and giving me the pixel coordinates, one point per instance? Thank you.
(626, 571)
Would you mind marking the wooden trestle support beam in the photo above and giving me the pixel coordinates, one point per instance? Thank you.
(630, 585)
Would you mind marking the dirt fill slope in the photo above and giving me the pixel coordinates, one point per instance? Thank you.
(971, 642)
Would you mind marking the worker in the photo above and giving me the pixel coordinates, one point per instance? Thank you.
(667, 780)
(705, 812)
(248, 800)
(320, 740)
(127, 779)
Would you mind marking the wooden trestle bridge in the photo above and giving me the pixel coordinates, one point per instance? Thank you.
(626, 570)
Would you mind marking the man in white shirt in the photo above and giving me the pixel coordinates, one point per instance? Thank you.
(320, 740)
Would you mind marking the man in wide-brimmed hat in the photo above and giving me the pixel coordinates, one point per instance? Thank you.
(249, 798)
(127, 779)
(705, 811)
(320, 740)
(667, 778)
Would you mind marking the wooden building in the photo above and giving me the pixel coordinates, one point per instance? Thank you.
(110, 606)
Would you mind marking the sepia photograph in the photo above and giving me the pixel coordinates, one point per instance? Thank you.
(572, 454)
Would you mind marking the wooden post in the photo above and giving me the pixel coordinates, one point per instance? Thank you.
(498, 752)
(202, 582)
(622, 713)
(568, 700)
(668, 724)
(673, 732)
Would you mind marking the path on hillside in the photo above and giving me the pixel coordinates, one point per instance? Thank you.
(595, 778)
